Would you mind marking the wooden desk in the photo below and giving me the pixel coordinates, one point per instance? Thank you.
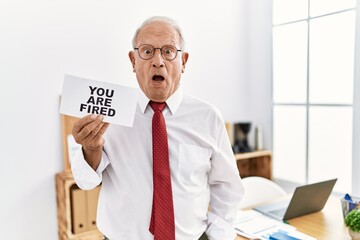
(323, 225)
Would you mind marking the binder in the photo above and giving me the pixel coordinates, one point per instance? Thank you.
(92, 201)
(78, 209)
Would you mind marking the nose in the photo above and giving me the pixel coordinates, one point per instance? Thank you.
(157, 60)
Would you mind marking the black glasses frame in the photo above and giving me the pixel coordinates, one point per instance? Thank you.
(161, 51)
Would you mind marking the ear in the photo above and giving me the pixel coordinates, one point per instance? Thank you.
(184, 59)
(132, 59)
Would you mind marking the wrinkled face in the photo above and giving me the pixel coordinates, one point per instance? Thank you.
(158, 78)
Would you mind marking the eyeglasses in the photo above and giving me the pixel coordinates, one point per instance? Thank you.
(147, 51)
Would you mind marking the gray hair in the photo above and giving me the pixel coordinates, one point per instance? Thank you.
(168, 20)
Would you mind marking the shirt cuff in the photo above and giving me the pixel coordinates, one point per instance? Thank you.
(85, 177)
(218, 228)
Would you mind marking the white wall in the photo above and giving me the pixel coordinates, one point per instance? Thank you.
(42, 40)
(259, 72)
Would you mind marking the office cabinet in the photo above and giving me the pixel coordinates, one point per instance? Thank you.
(76, 210)
(257, 163)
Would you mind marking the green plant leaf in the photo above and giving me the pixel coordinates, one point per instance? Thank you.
(352, 220)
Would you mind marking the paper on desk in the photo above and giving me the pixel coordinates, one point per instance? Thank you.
(81, 97)
(259, 226)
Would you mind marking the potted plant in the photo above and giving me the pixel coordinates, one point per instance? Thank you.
(352, 221)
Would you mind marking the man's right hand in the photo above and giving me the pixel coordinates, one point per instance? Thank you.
(88, 131)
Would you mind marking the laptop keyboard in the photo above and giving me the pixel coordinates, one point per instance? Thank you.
(278, 212)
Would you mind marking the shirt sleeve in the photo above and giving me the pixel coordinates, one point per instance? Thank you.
(226, 190)
(85, 177)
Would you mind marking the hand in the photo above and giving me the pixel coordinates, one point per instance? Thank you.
(88, 132)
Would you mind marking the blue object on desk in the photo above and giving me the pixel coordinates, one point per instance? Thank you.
(348, 204)
(280, 235)
(348, 197)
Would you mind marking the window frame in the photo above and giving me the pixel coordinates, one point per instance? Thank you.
(355, 186)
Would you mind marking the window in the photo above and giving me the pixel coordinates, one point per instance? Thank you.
(313, 90)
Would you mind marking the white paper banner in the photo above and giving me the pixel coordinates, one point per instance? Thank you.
(81, 97)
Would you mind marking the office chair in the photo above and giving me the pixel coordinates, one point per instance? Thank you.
(259, 190)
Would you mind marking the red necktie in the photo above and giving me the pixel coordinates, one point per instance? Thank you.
(162, 224)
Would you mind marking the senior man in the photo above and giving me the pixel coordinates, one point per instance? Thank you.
(173, 174)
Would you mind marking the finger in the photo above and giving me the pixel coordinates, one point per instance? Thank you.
(94, 133)
(83, 122)
(103, 129)
(100, 133)
(98, 141)
(90, 127)
(87, 129)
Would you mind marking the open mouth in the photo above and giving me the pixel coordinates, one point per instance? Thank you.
(158, 78)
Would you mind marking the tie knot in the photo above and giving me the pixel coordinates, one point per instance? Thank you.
(157, 106)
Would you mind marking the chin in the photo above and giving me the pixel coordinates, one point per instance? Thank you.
(159, 97)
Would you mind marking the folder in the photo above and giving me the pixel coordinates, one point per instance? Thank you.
(92, 201)
(281, 235)
(78, 209)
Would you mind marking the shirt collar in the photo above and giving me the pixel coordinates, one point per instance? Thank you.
(173, 102)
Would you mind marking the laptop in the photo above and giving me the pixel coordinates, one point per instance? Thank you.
(306, 199)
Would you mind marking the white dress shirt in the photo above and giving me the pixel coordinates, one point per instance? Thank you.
(203, 171)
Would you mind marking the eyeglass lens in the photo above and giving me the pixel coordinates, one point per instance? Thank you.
(147, 51)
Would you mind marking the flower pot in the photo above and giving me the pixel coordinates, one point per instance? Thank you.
(354, 235)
